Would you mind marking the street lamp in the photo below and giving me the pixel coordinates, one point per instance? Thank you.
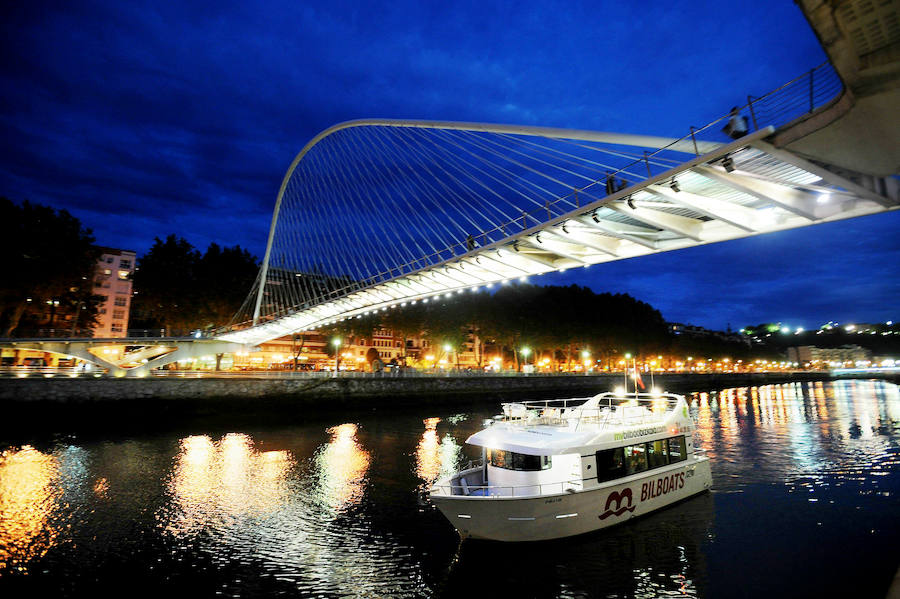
(525, 352)
(336, 342)
(447, 349)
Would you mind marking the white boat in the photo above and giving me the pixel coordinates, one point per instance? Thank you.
(558, 468)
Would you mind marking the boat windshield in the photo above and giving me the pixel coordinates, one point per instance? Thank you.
(510, 460)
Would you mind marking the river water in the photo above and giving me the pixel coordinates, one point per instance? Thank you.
(805, 502)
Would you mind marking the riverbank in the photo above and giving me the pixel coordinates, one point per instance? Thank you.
(65, 404)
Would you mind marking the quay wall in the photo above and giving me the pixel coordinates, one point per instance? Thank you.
(83, 390)
(61, 403)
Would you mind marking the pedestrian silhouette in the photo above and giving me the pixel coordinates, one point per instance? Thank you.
(736, 127)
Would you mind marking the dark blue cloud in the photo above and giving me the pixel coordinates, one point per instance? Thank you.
(145, 119)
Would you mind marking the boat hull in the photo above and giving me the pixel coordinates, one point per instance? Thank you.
(544, 517)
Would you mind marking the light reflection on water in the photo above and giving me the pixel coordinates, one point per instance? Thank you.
(436, 459)
(817, 431)
(216, 484)
(342, 466)
(329, 510)
(29, 494)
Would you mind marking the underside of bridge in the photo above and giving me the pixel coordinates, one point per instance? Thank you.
(858, 132)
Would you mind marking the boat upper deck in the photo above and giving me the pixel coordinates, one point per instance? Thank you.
(560, 426)
(601, 412)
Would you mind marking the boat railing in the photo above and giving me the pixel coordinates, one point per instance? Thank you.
(608, 410)
(496, 491)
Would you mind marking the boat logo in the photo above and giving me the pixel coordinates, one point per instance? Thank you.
(619, 498)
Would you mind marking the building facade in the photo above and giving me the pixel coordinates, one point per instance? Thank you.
(113, 276)
(829, 357)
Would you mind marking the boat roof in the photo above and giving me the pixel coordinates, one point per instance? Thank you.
(569, 426)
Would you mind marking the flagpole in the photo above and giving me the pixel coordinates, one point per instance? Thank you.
(634, 365)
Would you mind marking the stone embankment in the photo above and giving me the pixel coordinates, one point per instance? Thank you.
(166, 399)
(306, 389)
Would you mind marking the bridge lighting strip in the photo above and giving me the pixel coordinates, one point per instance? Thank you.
(332, 312)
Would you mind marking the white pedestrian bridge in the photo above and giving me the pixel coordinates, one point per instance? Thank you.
(377, 214)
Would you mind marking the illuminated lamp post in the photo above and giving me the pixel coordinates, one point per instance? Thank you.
(586, 360)
(336, 342)
(525, 352)
(449, 348)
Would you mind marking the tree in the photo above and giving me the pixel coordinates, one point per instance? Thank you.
(166, 290)
(179, 289)
(224, 277)
(50, 258)
(405, 322)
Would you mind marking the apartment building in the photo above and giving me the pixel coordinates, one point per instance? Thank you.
(112, 281)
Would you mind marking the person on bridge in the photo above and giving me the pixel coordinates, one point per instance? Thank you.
(614, 184)
(737, 124)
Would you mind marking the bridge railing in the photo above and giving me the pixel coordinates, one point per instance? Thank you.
(797, 98)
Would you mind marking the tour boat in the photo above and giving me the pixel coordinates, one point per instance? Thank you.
(558, 468)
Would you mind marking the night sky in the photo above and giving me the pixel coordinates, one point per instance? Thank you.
(145, 119)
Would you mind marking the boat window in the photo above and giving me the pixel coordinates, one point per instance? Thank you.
(657, 453)
(635, 458)
(677, 450)
(510, 460)
(610, 464)
(499, 458)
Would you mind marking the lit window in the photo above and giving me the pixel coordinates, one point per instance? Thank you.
(123, 275)
(509, 460)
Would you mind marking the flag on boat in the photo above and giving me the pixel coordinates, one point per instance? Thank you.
(637, 378)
